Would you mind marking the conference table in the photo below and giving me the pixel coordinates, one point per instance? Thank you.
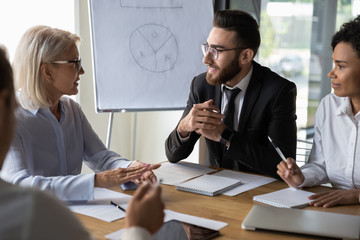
(231, 210)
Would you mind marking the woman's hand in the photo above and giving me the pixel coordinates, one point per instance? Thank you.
(119, 176)
(290, 172)
(337, 197)
(148, 175)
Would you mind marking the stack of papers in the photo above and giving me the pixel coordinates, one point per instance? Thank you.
(100, 207)
(176, 173)
(249, 181)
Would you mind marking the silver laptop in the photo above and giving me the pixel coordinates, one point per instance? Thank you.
(301, 221)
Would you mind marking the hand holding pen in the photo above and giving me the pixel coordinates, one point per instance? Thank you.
(288, 170)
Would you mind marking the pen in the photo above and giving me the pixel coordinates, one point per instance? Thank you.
(119, 207)
(211, 110)
(282, 157)
(277, 149)
(157, 183)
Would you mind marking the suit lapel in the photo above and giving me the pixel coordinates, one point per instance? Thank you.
(251, 95)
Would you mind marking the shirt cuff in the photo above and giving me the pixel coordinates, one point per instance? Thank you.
(122, 163)
(308, 181)
(136, 233)
(182, 140)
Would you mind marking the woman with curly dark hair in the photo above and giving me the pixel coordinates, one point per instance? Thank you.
(335, 155)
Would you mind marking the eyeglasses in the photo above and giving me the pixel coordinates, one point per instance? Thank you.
(76, 62)
(213, 51)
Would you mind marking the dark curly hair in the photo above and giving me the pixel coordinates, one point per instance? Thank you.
(349, 33)
(243, 24)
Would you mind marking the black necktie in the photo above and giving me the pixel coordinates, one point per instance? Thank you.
(229, 112)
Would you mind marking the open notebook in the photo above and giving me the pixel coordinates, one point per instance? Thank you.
(285, 198)
(210, 185)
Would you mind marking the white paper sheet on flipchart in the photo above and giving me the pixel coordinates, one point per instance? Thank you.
(249, 181)
(100, 207)
(171, 215)
(176, 173)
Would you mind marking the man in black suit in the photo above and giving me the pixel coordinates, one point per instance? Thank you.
(264, 106)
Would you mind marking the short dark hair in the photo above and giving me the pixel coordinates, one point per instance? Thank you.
(349, 33)
(243, 24)
(6, 74)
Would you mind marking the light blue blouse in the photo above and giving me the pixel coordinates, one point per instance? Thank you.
(48, 154)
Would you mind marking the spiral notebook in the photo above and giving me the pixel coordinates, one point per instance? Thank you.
(210, 185)
(285, 198)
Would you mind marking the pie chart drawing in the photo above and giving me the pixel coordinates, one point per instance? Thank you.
(154, 48)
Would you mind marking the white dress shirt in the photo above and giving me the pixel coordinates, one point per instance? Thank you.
(48, 153)
(136, 233)
(335, 155)
(27, 214)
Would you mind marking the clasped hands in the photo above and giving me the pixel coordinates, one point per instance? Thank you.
(294, 177)
(205, 119)
(137, 172)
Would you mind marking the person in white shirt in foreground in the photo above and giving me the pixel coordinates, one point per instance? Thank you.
(335, 154)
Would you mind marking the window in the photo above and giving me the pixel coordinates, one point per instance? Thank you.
(16, 16)
(295, 43)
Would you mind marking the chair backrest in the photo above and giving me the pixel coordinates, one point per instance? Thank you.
(303, 151)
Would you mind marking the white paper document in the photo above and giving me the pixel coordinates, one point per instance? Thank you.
(171, 215)
(100, 207)
(198, 221)
(249, 181)
(176, 173)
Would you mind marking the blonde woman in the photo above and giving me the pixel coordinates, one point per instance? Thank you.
(53, 137)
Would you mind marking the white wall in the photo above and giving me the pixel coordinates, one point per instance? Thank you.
(151, 128)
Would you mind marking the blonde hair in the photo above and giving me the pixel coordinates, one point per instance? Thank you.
(38, 45)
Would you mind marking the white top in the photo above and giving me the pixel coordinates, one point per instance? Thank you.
(30, 214)
(27, 213)
(48, 153)
(136, 233)
(335, 155)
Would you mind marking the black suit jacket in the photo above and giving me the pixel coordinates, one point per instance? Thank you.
(269, 109)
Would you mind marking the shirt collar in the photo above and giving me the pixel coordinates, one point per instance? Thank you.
(345, 108)
(243, 84)
(36, 110)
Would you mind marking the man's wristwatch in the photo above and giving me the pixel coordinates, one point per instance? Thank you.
(226, 136)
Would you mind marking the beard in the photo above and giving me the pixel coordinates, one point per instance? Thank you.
(224, 75)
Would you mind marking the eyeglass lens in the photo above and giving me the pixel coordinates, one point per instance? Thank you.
(205, 49)
(78, 64)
